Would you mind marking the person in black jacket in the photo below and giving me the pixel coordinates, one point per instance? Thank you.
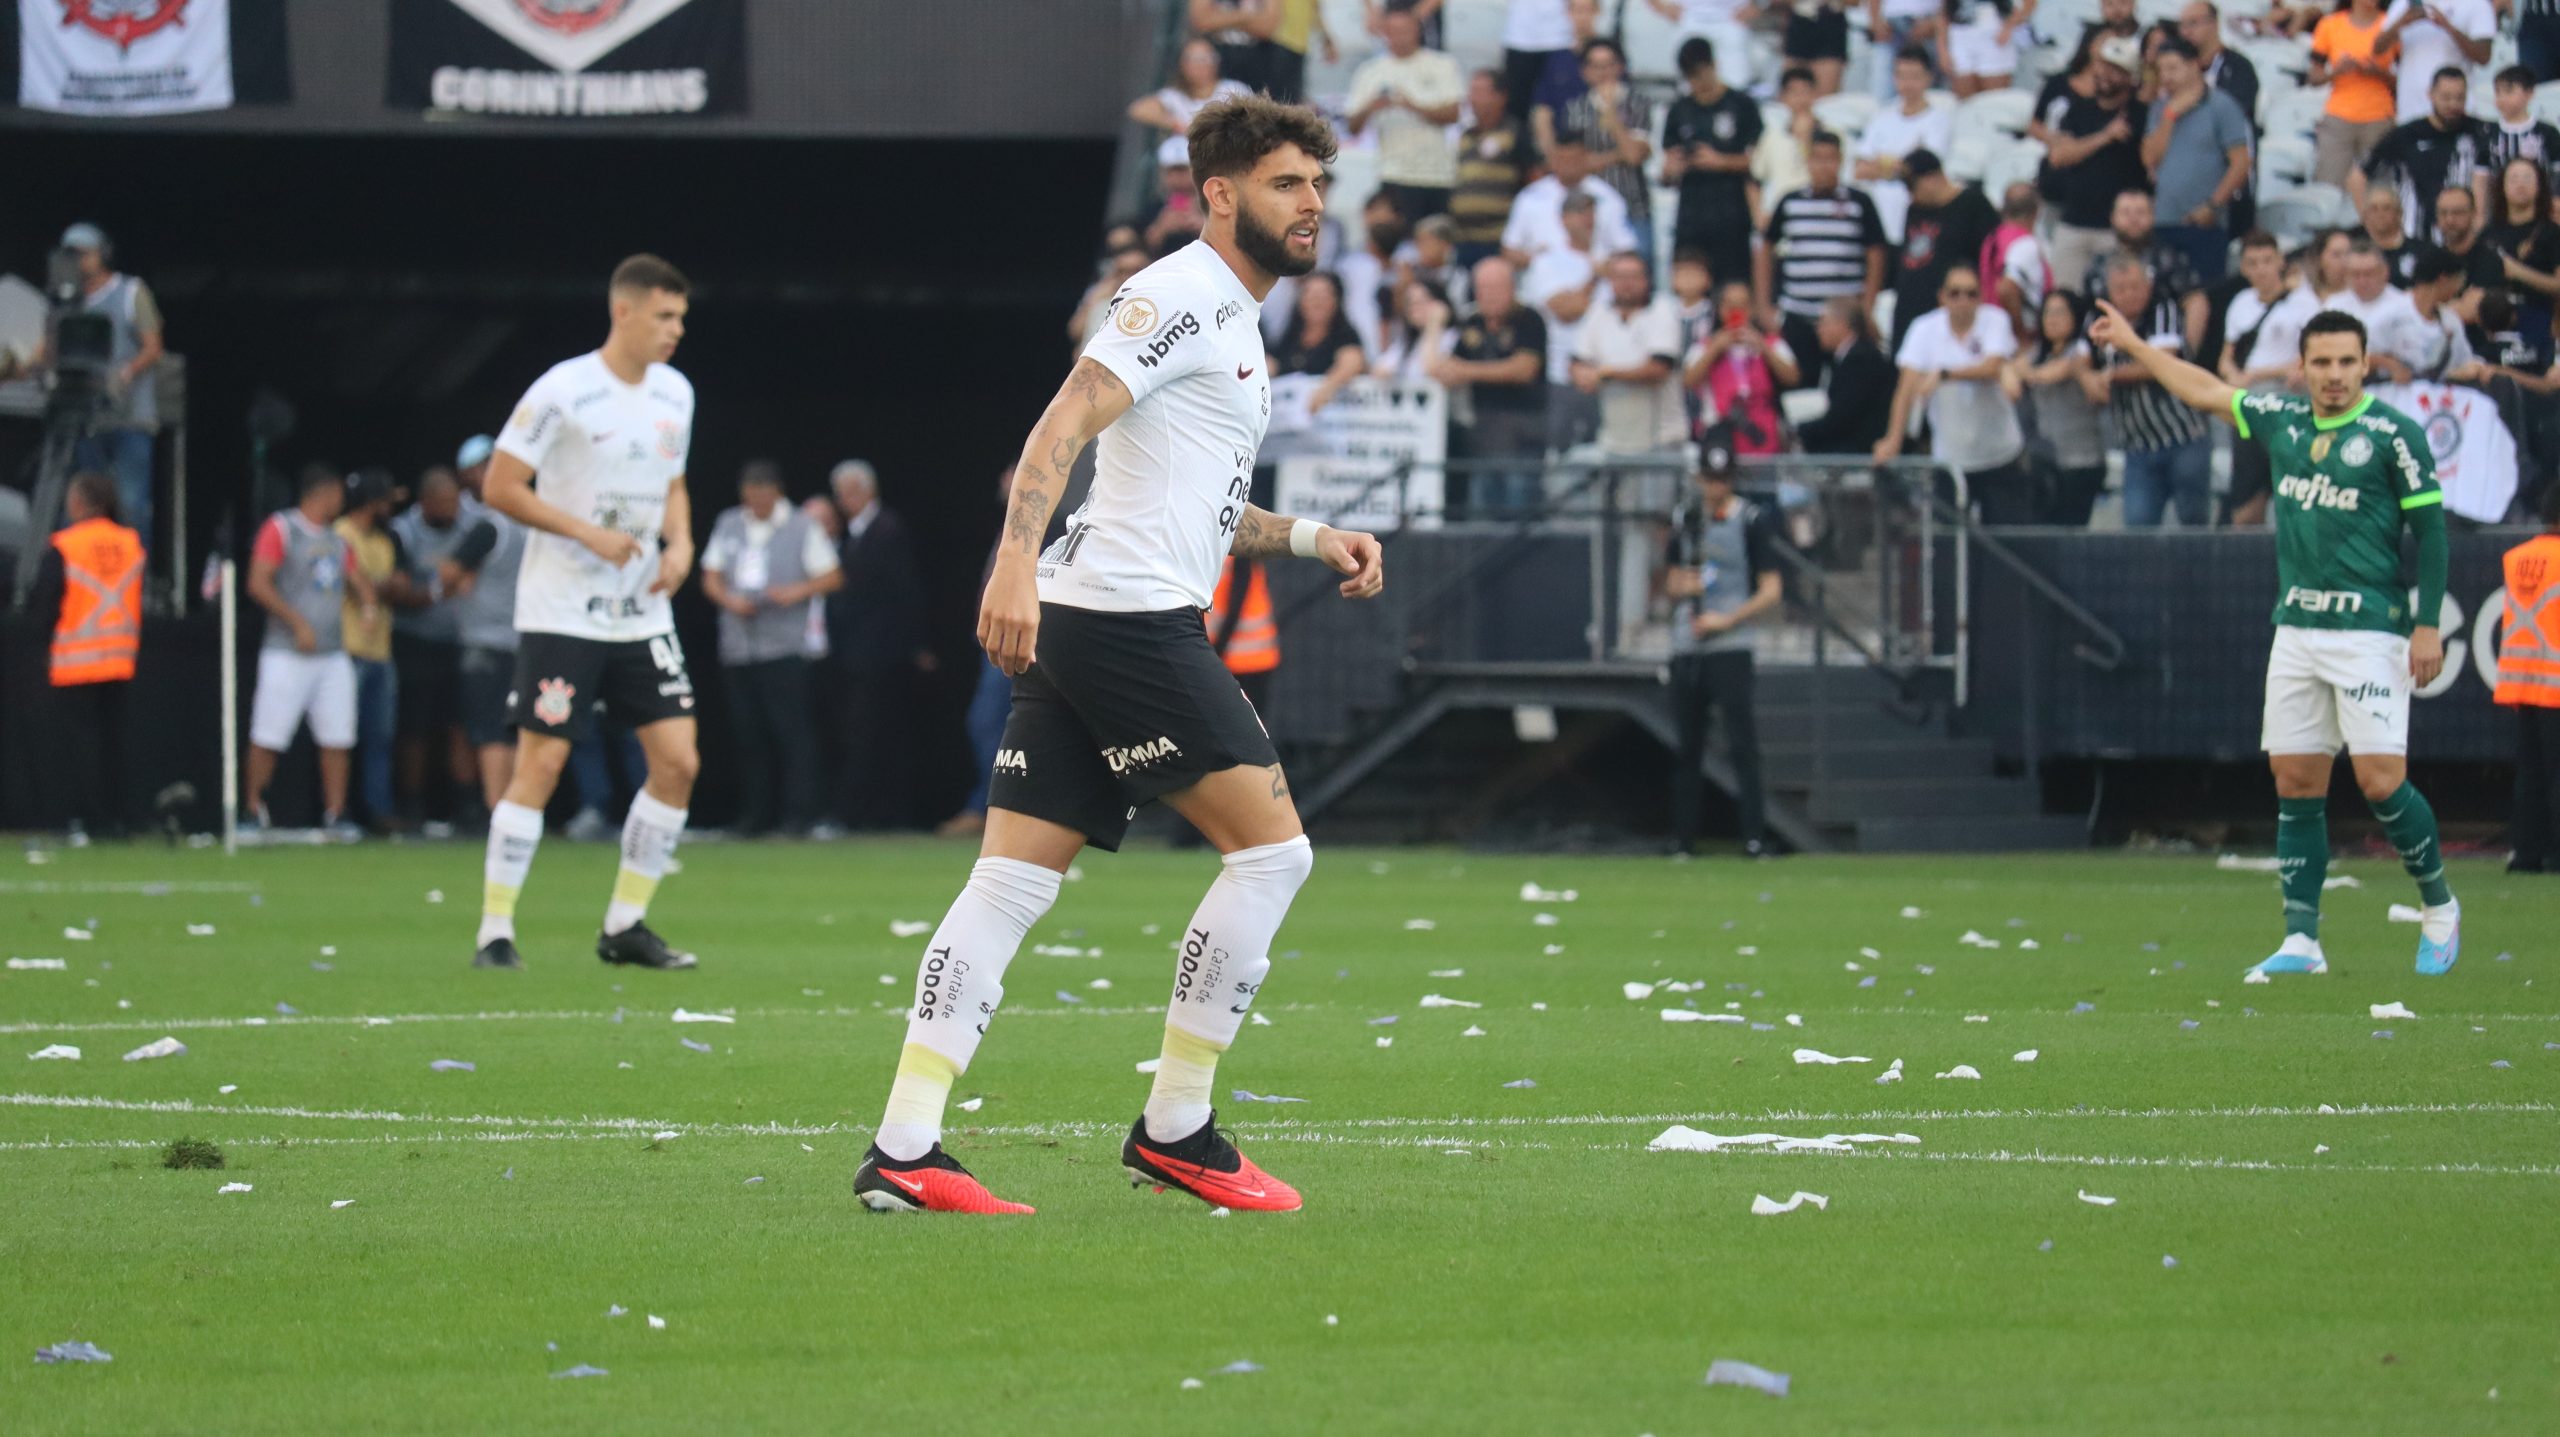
(1856, 376)
(876, 641)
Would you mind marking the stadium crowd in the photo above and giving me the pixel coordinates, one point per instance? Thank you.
(1631, 220)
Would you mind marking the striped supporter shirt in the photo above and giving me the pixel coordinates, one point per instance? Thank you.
(1818, 244)
(2147, 416)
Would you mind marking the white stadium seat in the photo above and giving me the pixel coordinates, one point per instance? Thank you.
(1844, 114)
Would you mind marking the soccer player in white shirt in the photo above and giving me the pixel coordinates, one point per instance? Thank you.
(593, 462)
(1118, 698)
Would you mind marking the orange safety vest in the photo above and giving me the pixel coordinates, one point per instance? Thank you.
(100, 630)
(2529, 655)
(1255, 648)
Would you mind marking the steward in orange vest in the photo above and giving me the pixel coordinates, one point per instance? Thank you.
(91, 581)
(1247, 639)
(2529, 681)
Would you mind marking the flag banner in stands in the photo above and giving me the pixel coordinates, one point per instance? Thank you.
(1330, 462)
(569, 59)
(2475, 455)
(124, 57)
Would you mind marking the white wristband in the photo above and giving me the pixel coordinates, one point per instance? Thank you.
(1302, 538)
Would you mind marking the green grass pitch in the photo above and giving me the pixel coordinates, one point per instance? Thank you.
(1473, 1257)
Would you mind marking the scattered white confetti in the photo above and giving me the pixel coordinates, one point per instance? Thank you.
(1386, 1042)
(1636, 992)
(1150, 1065)
(1386, 1020)
(78, 935)
(617, 1310)
(1532, 893)
(1064, 996)
(235, 1188)
(2168, 1261)
(1521, 1083)
(1692, 1015)
(1961, 1070)
(2029, 943)
(1448, 973)
(888, 979)
(1419, 925)
(2501, 1063)
(657, 1323)
(1546, 920)
(1192, 1384)
(1680, 1139)
(1683, 987)
(1150, 930)
(1762, 1205)
(2392, 1009)
(665, 1135)
(337, 1203)
(1810, 1055)
(451, 1065)
(1472, 1032)
(687, 1015)
(1260, 1021)
(199, 930)
(1910, 912)
(1726, 1372)
(909, 928)
(1925, 970)
(2093, 1200)
(1972, 939)
(751, 1182)
(62, 1052)
(1795, 1020)
(581, 1370)
(2343, 880)
(2403, 913)
(699, 1047)
(1537, 1007)
(2023, 1055)
(156, 1048)
(1218, 1212)
(1100, 985)
(435, 895)
(2318, 1148)
(804, 1147)
(2254, 976)
(1246, 1095)
(1977, 1017)
(1854, 966)
(228, 1088)
(1893, 1075)
(1434, 1000)
(1747, 950)
(1554, 950)
(1075, 873)
(1332, 1319)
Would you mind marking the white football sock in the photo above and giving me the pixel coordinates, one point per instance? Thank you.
(959, 982)
(2442, 921)
(515, 831)
(649, 838)
(1225, 954)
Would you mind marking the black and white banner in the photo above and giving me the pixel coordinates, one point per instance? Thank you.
(569, 59)
(124, 57)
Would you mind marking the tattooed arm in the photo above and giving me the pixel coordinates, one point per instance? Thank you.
(1009, 614)
(1261, 534)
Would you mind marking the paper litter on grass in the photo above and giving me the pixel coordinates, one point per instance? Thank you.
(2023, 1055)
(56, 965)
(2343, 880)
(970, 1105)
(1890, 1075)
(1419, 925)
(1260, 1021)
(1434, 1000)
(1726, 1372)
(1692, 1015)
(337, 1203)
(1237, 1368)
(1762, 1205)
(1554, 950)
(1244, 1095)
(1681, 1139)
(1521, 1083)
(2234, 863)
(199, 930)
(163, 1047)
(581, 1370)
(1636, 992)
(1811, 1055)
(2029, 943)
(1961, 1070)
(1910, 912)
(74, 1352)
(62, 1051)
(1472, 1032)
(2403, 913)
(78, 935)
(235, 1188)
(1192, 1384)
(1064, 996)
(657, 1323)
(1531, 893)
(2393, 1009)
(1100, 985)
(1386, 1042)
(452, 1065)
(2093, 1200)
(687, 1015)
(1972, 939)
(1545, 920)
(697, 1046)
(1150, 1065)
(1384, 1021)
(1795, 1020)
(909, 927)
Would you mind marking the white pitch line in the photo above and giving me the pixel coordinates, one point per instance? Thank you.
(384, 1115)
(571, 1015)
(1447, 1144)
(2109, 1160)
(149, 889)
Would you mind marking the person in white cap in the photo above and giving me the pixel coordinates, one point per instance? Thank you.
(2095, 155)
(122, 445)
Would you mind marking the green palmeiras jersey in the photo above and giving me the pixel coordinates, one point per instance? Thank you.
(2343, 487)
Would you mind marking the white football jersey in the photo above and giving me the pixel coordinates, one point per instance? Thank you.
(1172, 475)
(606, 452)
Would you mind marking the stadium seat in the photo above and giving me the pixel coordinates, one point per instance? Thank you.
(1846, 113)
(2011, 163)
(2283, 161)
(1355, 178)
(2545, 104)
(2292, 112)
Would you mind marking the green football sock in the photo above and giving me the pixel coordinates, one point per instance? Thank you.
(2411, 826)
(2302, 857)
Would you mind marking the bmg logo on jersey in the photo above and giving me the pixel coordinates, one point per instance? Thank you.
(1185, 323)
(1139, 756)
(2319, 491)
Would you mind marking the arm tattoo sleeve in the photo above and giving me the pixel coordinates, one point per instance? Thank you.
(1040, 479)
(1261, 534)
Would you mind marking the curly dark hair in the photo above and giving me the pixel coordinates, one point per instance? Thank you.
(1230, 137)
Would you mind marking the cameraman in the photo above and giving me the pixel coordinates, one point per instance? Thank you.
(120, 444)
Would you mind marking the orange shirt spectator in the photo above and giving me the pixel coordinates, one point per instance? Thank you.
(2353, 52)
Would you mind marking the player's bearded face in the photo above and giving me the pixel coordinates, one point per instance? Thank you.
(1276, 229)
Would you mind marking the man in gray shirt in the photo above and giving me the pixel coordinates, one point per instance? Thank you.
(765, 569)
(485, 621)
(121, 446)
(426, 644)
(1721, 574)
(2197, 149)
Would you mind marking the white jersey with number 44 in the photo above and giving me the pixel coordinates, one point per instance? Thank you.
(605, 452)
(1171, 476)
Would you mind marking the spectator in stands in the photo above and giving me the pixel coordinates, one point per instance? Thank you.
(1118, 268)
(2196, 146)
(2172, 274)
(1707, 143)
(1562, 283)
(1537, 214)
(1196, 86)
(1284, 53)
(87, 596)
(2262, 344)
(426, 652)
(1432, 257)
(876, 639)
(1778, 161)
(1538, 35)
(1367, 274)
(488, 559)
(1823, 242)
(2529, 682)
(1411, 95)
(2227, 70)
(1627, 352)
(2443, 149)
(1946, 225)
(2095, 156)
(1955, 361)
(1496, 160)
(2013, 261)
(765, 570)
(1893, 132)
(2352, 53)
(1978, 43)
(1616, 124)
(2527, 242)
(1319, 341)
(1741, 369)
(1239, 30)
(122, 448)
(1693, 296)
(1179, 219)
(2436, 36)
(1414, 332)
(2538, 41)
(367, 627)
(2435, 347)
(2388, 228)
(2388, 316)
(1500, 356)
(2116, 18)
(2068, 398)
(2168, 452)
(1720, 570)
(1816, 42)
(2458, 234)
(2516, 134)
(1854, 372)
(1895, 27)
(1723, 24)
(299, 572)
